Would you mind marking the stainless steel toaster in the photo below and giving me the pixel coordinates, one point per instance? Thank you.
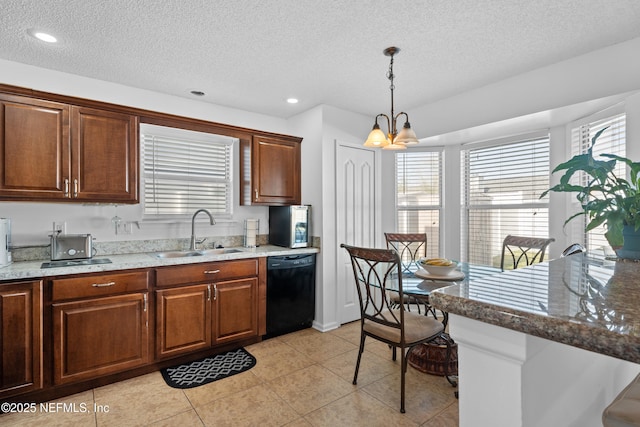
(71, 246)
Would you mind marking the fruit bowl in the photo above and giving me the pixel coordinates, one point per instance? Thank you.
(438, 266)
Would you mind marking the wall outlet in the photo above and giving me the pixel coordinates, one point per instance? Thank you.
(60, 227)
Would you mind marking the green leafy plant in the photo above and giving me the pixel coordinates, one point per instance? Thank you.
(606, 199)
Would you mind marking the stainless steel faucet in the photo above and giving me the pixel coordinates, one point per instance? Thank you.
(192, 246)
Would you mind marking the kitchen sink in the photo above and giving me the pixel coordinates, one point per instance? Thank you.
(204, 252)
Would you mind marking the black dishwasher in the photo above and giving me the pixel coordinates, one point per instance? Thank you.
(291, 293)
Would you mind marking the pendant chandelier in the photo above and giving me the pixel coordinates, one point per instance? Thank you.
(393, 140)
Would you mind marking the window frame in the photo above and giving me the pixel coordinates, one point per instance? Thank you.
(418, 207)
(467, 208)
(170, 132)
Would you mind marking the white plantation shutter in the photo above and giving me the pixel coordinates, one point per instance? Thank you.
(185, 171)
(612, 141)
(502, 182)
(418, 195)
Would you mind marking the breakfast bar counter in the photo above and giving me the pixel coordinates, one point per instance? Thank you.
(550, 344)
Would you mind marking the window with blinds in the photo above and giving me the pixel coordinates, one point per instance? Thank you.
(418, 195)
(502, 183)
(185, 171)
(612, 141)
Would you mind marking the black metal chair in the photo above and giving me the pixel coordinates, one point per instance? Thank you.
(523, 251)
(410, 247)
(374, 270)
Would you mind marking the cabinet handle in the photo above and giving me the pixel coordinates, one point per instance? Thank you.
(256, 193)
(75, 187)
(211, 271)
(215, 292)
(208, 292)
(103, 285)
(144, 299)
(66, 187)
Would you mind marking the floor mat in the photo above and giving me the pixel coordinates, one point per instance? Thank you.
(209, 369)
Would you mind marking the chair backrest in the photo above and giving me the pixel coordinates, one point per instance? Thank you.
(523, 251)
(409, 246)
(374, 271)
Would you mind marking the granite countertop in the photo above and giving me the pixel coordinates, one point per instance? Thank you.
(581, 301)
(32, 269)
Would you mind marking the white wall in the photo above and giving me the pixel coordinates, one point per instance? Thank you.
(32, 222)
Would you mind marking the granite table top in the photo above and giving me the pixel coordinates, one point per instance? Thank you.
(33, 269)
(581, 301)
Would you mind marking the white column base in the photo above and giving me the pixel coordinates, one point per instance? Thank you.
(507, 378)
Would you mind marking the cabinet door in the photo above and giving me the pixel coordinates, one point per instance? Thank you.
(275, 172)
(20, 338)
(235, 310)
(34, 149)
(104, 156)
(183, 320)
(99, 336)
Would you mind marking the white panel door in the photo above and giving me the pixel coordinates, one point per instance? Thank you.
(357, 220)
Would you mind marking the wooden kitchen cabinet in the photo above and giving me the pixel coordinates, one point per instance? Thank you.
(34, 149)
(55, 151)
(235, 310)
(100, 325)
(270, 171)
(21, 368)
(183, 320)
(104, 156)
(206, 304)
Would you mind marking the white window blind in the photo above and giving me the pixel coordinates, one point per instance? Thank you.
(418, 200)
(185, 171)
(612, 141)
(502, 183)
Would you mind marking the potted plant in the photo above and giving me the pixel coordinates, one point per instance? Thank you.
(606, 199)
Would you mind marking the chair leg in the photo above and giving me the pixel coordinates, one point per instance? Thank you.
(355, 375)
(403, 370)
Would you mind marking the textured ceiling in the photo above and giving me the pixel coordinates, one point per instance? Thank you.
(252, 55)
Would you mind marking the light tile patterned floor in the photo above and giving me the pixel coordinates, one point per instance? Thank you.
(300, 379)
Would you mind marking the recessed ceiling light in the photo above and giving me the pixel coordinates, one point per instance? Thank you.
(45, 37)
(292, 100)
(197, 93)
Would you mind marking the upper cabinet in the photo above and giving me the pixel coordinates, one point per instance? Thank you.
(55, 151)
(104, 155)
(270, 171)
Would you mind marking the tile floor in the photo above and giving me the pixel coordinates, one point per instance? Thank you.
(300, 379)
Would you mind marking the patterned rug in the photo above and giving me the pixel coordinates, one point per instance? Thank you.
(209, 369)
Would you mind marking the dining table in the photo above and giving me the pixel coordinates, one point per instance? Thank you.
(438, 357)
(419, 283)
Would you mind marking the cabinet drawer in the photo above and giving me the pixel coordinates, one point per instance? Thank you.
(207, 272)
(98, 285)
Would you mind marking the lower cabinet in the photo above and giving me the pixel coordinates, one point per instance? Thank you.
(183, 320)
(196, 317)
(222, 308)
(236, 310)
(99, 334)
(20, 338)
